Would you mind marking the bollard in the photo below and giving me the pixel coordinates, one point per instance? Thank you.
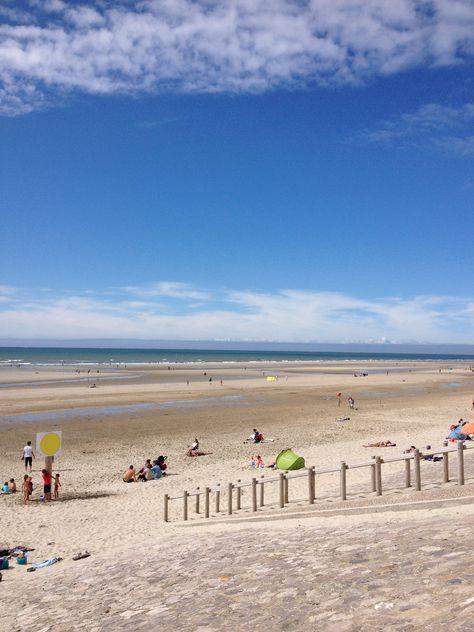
(197, 499)
(445, 468)
(407, 473)
(218, 498)
(373, 477)
(460, 463)
(254, 494)
(286, 488)
(185, 505)
(417, 470)
(378, 476)
(165, 508)
(239, 494)
(282, 489)
(207, 498)
(311, 485)
(343, 486)
(262, 490)
(229, 498)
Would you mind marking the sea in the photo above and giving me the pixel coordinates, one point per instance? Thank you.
(77, 356)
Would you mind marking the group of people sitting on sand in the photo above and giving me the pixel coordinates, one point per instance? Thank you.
(149, 472)
(9, 487)
(456, 432)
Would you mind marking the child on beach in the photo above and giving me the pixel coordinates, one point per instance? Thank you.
(5, 488)
(12, 485)
(57, 485)
(25, 488)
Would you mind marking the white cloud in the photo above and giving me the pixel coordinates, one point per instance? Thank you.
(285, 316)
(432, 125)
(225, 46)
(171, 289)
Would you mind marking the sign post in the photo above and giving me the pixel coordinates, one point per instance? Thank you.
(48, 444)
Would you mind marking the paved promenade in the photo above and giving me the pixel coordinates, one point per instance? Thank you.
(406, 571)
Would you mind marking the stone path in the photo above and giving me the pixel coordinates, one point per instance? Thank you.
(409, 573)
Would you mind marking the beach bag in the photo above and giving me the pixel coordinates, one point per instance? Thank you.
(4, 563)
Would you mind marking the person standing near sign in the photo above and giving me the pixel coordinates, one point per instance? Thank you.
(46, 484)
(28, 456)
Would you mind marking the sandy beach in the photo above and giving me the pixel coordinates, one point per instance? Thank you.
(137, 413)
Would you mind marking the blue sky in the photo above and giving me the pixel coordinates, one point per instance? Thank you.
(287, 171)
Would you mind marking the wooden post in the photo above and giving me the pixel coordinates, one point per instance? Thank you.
(417, 470)
(378, 476)
(239, 494)
(407, 473)
(262, 490)
(445, 468)
(282, 489)
(286, 488)
(254, 494)
(343, 487)
(207, 498)
(460, 463)
(48, 464)
(372, 476)
(185, 505)
(218, 498)
(230, 487)
(165, 507)
(198, 499)
(311, 485)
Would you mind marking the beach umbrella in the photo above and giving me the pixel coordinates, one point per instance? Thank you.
(468, 428)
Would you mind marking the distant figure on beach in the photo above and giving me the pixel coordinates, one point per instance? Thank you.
(160, 461)
(57, 485)
(380, 444)
(351, 402)
(130, 476)
(191, 452)
(256, 436)
(46, 476)
(25, 489)
(28, 456)
(195, 444)
(339, 396)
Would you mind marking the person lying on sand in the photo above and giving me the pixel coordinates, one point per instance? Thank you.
(130, 476)
(380, 444)
(191, 452)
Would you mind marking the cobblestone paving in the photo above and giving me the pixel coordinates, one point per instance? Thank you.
(403, 574)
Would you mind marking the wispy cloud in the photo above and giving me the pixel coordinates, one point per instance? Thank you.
(53, 48)
(169, 312)
(446, 128)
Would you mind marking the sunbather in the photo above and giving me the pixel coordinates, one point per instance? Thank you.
(380, 444)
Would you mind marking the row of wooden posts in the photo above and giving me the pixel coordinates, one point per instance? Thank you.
(257, 485)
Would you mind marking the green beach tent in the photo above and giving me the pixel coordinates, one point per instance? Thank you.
(288, 460)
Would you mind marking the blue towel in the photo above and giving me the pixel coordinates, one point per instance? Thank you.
(45, 563)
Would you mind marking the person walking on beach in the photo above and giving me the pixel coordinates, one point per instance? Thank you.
(339, 395)
(28, 456)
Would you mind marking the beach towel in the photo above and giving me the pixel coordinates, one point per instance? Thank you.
(45, 563)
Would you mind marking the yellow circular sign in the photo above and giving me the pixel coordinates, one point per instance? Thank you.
(50, 443)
